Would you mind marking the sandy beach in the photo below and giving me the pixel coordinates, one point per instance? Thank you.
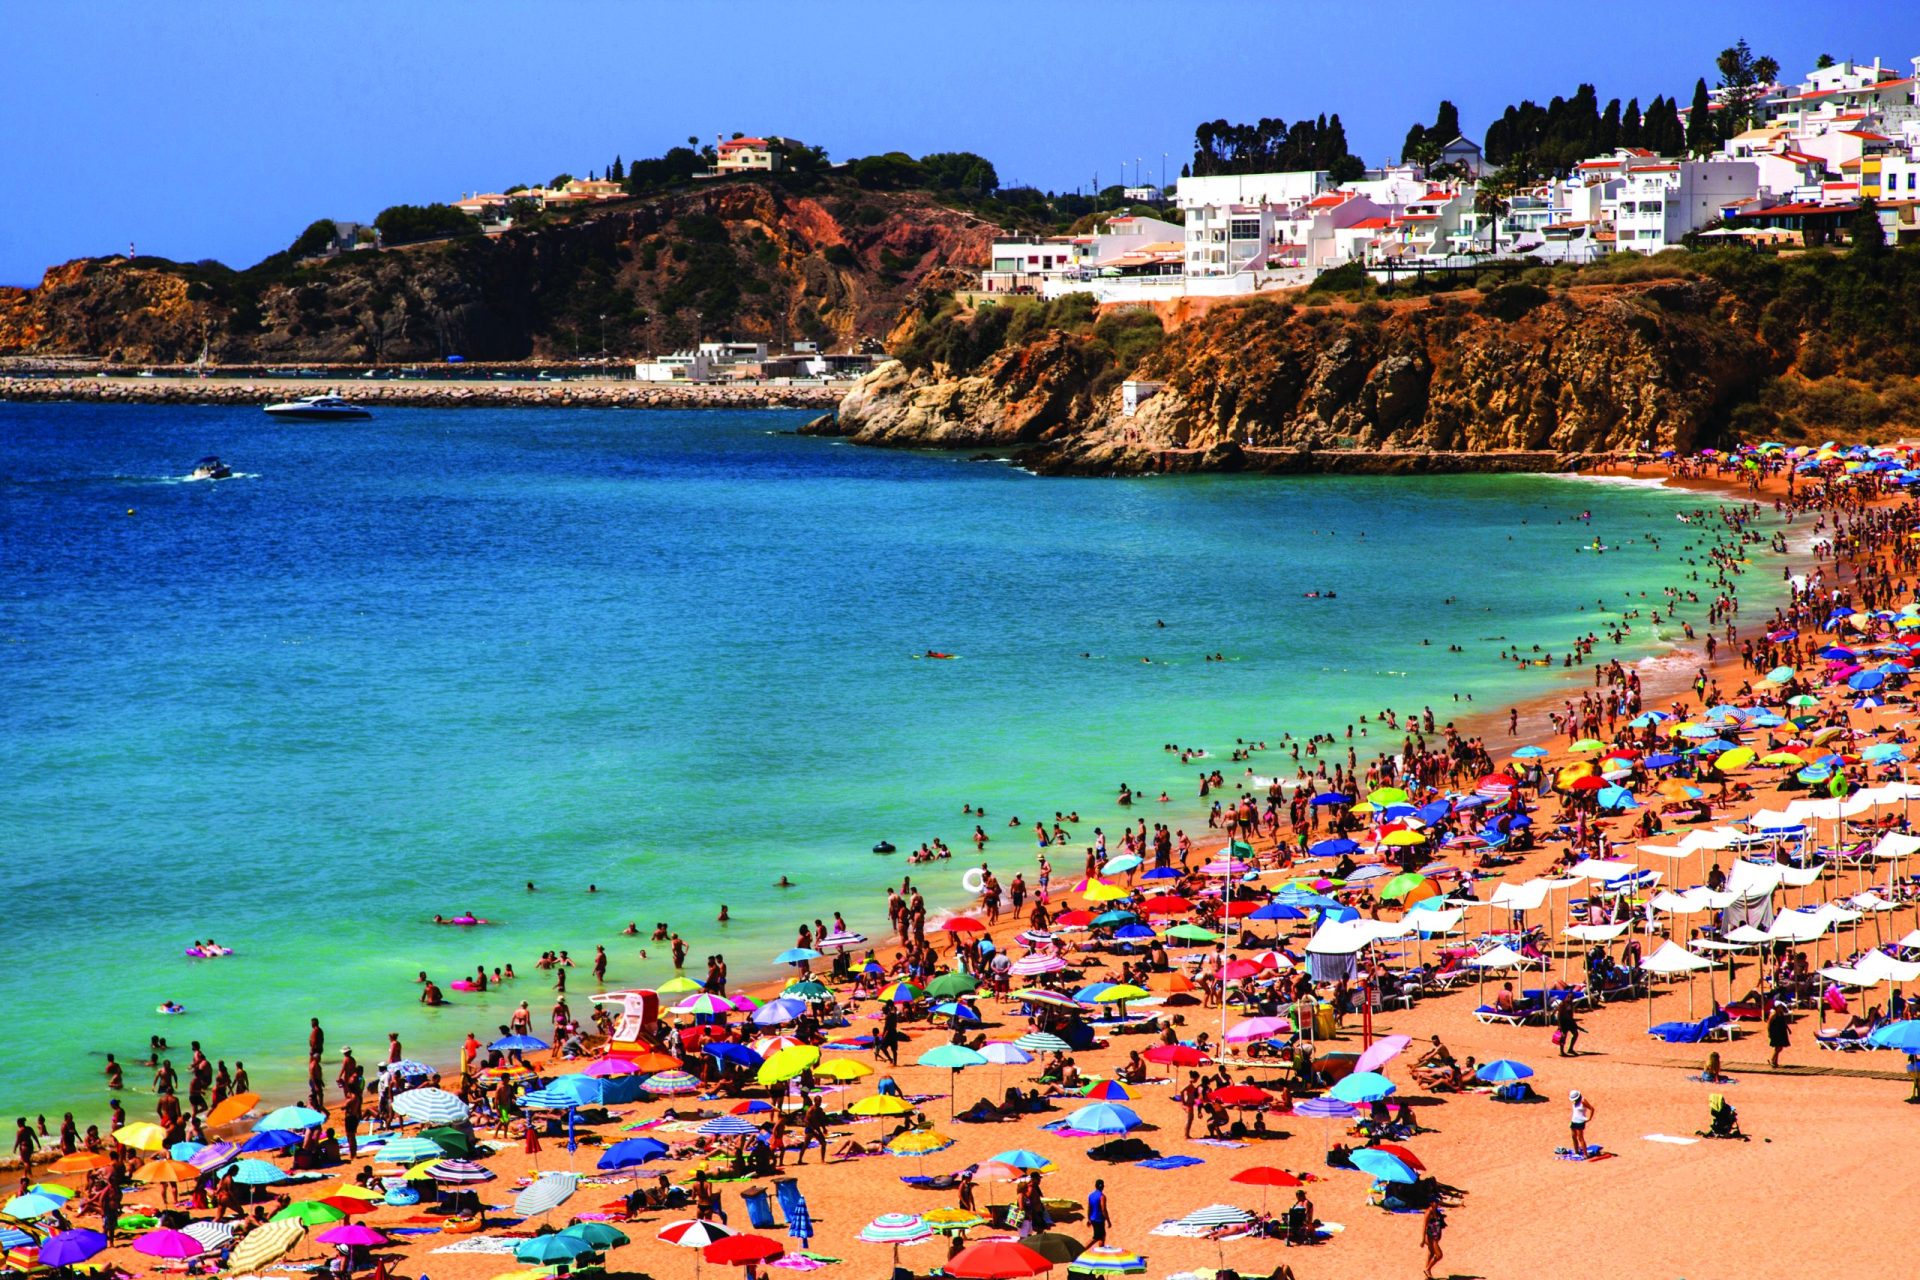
(1657, 1200)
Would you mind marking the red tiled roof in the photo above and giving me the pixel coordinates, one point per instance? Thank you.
(1371, 224)
(736, 143)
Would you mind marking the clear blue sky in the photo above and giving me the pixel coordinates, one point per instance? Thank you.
(200, 129)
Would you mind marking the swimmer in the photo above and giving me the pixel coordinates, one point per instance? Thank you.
(631, 931)
(723, 913)
(593, 888)
(530, 888)
(783, 883)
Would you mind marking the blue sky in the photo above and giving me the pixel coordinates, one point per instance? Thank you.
(199, 129)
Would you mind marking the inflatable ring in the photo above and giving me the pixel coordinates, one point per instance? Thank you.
(464, 984)
(461, 1226)
(160, 1008)
(975, 881)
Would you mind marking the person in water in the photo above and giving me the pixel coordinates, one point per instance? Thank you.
(783, 883)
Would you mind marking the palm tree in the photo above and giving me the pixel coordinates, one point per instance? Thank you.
(1491, 201)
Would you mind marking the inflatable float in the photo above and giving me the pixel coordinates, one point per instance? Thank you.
(209, 952)
(885, 846)
(464, 920)
(169, 1008)
(464, 984)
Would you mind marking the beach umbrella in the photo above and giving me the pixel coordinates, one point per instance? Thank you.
(1192, 933)
(1108, 1260)
(705, 1004)
(669, 1084)
(290, 1118)
(81, 1162)
(523, 1044)
(784, 1065)
(729, 1127)
(632, 1151)
(1042, 1042)
(1904, 1036)
(459, 1172)
(844, 1070)
(428, 1106)
(163, 1242)
(881, 1104)
(1175, 1055)
(309, 1213)
(693, 1233)
(996, 1260)
(1325, 1109)
(546, 1193)
(797, 955)
(743, 1250)
(611, 1068)
(254, 1173)
(728, 1051)
(546, 1100)
(1054, 1246)
(70, 1248)
(549, 1249)
(352, 1234)
(34, 1204)
(896, 1229)
(810, 991)
(410, 1150)
(919, 1142)
(900, 993)
(1265, 1176)
(1381, 1052)
(1240, 1095)
(227, 1110)
(1107, 1091)
(1006, 1053)
(1384, 1166)
(579, 1090)
(601, 1235)
(141, 1136)
(1024, 1160)
(268, 1140)
(169, 1171)
(1361, 1086)
(1104, 1117)
(213, 1236)
(951, 986)
(775, 1012)
(678, 985)
(1502, 1071)
(265, 1244)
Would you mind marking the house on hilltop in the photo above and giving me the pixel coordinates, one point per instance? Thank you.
(747, 155)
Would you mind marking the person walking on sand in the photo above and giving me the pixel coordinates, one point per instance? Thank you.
(1779, 1034)
(1098, 1212)
(1581, 1113)
(1566, 1027)
(1431, 1228)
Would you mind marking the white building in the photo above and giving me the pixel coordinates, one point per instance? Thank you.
(1051, 264)
(1658, 204)
(1230, 218)
(706, 362)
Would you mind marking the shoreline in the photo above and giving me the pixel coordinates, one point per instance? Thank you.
(764, 978)
(435, 393)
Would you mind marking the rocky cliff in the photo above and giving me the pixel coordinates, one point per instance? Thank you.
(1519, 377)
(738, 259)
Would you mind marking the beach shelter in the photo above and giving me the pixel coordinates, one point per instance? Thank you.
(1672, 960)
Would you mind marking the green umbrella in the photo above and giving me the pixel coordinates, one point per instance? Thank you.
(1191, 933)
(1054, 1247)
(600, 1235)
(454, 1142)
(951, 986)
(1398, 887)
(312, 1212)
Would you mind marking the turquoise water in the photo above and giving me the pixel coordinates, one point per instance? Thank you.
(404, 666)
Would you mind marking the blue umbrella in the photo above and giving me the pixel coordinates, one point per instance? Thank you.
(185, 1150)
(1278, 911)
(70, 1248)
(775, 1012)
(1104, 1117)
(1332, 797)
(1662, 760)
(1503, 1070)
(1108, 918)
(1865, 680)
(524, 1044)
(729, 1127)
(1338, 912)
(1132, 932)
(1161, 873)
(1334, 848)
(548, 1100)
(956, 1009)
(583, 1089)
(271, 1140)
(289, 1118)
(253, 1173)
(1362, 1086)
(632, 1151)
(728, 1051)
(1383, 1165)
(1325, 1109)
(794, 955)
(1904, 1036)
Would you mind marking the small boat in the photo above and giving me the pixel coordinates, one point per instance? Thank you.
(210, 468)
(317, 408)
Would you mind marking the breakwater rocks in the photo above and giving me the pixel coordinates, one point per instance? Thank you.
(422, 395)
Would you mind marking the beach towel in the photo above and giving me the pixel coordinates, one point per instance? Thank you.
(479, 1244)
(1227, 1143)
(1170, 1162)
(1671, 1139)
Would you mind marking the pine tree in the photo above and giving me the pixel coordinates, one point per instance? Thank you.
(618, 172)
(1701, 131)
(1630, 124)
(1609, 136)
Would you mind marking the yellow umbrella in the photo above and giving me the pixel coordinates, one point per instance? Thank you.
(952, 1219)
(354, 1191)
(786, 1064)
(881, 1104)
(1572, 774)
(843, 1070)
(141, 1135)
(1736, 758)
(677, 986)
(1101, 891)
(1784, 758)
(166, 1171)
(919, 1142)
(1384, 796)
(1404, 838)
(1119, 992)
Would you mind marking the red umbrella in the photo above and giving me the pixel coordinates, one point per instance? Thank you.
(1166, 904)
(1234, 969)
(996, 1260)
(1073, 919)
(533, 1139)
(738, 1251)
(1588, 783)
(1176, 1055)
(1240, 907)
(1240, 1095)
(1265, 1176)
(963, 924)
(351, 1204)
(1394, 1148)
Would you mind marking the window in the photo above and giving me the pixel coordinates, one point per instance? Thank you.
(1246, 228)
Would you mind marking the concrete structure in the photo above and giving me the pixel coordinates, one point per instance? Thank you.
(1230, 217)
(1044, 264)
(1660, 203)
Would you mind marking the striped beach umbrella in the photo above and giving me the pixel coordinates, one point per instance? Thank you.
(547, 1100)
(214, 1235)
(767, 1046)
(842, 940)
(1005, 1053)
(897, 1229)
(900, 993)
(214, 1156)
(729, 1127)
(693, 1233)
(1106, 1260)
(1218, 1215)
(705, 1003)
(254, 1173)
(1039, 962)
(265, 1244)
(410, 1150)
(430, 1106)
(459, 1172)
(1043, 1042)
(919, 1142)
(548, 1192)
(670, 1084)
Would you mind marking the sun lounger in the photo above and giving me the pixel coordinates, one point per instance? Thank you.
(1840, 1040)
(1713, 1026)
(1487, 1013)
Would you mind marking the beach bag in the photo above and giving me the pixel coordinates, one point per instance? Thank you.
(1559, 1036)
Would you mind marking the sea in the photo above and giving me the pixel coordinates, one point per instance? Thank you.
(570, 669)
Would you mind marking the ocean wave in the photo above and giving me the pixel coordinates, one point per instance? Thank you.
(1630, 482)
